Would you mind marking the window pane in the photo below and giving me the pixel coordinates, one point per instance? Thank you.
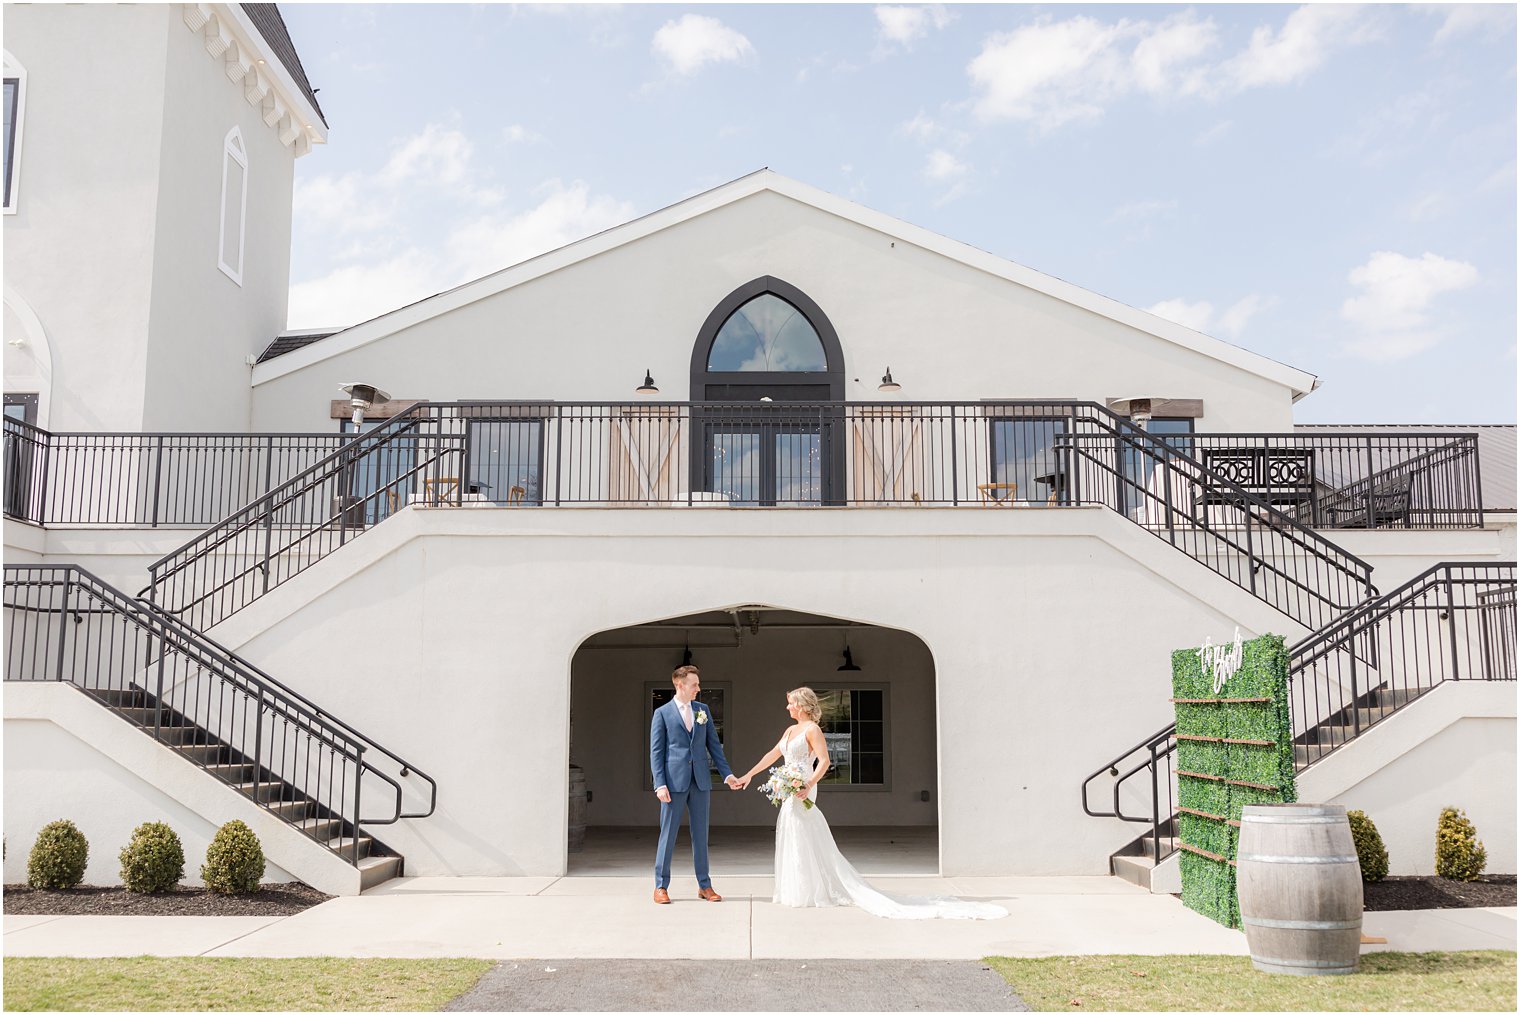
(736, 466)
(767, 334)
(12, 93)
(798, 468)
(504, 461)
(232, 217)
(1023, 453)
(853, 727)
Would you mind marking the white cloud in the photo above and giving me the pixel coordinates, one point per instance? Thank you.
(1141, 210)
(943, 166)
(1053, 72)
(1301, 46)
(1393, 311)
(516, 133)
(1214, 133)
(1492, 20)
(900, 26)
(920, 128)
(437, 155)
(1235, 318)
(1197, 316)
(689, 44)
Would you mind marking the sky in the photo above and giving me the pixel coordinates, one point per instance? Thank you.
(1329, 186)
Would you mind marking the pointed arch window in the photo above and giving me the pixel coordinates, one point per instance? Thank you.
(234, 206)
(767, 335)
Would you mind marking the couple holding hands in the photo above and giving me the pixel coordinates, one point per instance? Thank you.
(810, 870)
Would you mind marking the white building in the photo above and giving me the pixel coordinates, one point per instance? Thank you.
(496, 582)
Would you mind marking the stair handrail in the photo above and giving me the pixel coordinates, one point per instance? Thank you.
(291, 704)
(1169, 456)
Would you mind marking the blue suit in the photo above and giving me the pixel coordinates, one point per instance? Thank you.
(681, 762)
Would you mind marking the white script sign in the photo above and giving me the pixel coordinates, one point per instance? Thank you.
(1223, 660)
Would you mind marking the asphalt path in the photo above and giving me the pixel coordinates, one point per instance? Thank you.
(739, 985)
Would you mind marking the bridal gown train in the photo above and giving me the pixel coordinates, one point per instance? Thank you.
(810, 870)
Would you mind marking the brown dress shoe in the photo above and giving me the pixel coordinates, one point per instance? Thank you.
(662, 896)
(709, 895)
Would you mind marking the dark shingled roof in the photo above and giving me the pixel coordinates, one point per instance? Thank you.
(290, 343)
(266, 18)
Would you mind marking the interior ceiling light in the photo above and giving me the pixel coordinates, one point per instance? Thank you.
(849, 662)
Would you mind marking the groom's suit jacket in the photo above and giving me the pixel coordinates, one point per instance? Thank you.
(680, 760)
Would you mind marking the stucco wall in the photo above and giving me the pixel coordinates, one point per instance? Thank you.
(203, 324)
(449, 636)
(100, 796)
(588, 331)
(610, 734)
(80, 247)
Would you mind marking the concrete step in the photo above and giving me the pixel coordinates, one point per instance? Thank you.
(290, 810)
(1134, 869)
(1392, 699)
(267, 789)
(344, 845)
(122, 697)
(319, 828)
(143, 716)
(374, 870)
(232, 772)
(201, 754)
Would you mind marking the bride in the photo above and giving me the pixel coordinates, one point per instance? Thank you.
(810, 870)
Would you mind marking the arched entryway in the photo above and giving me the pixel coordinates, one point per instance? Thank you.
(878, 689)
(766, 369)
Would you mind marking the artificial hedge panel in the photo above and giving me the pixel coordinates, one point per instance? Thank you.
(1252, 705)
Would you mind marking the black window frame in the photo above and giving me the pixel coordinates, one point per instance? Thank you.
(13, 113)
(885, 690)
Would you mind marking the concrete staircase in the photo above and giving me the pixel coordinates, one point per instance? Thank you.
(376, 864)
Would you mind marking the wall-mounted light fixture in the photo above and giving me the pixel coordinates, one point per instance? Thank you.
(887, 383)
(647, 388)
(849, 662)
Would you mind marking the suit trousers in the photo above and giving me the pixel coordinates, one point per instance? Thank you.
(697, 803)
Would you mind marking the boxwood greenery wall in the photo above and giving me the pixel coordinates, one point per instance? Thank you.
(1234, 747)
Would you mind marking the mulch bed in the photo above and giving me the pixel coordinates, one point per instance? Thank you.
(269, 900)
(1438, 893)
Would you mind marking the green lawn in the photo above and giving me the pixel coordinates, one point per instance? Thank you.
(195, 984)
(1388, 981)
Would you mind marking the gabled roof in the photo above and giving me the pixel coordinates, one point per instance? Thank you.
(1299, 382)
(290, 341)
(266, 18)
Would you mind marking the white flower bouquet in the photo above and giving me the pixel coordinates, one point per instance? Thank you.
(786, 781)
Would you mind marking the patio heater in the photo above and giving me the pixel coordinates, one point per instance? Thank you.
(1138, 409)
(349, 506)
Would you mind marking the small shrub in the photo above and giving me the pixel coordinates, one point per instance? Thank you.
(1459, 854)
(234, 860)
(154, 860)
(1370, 851)
(59, 857)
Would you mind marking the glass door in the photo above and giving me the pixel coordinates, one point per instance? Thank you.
(506, 461)
(763, 456)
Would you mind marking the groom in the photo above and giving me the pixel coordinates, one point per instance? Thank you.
(681, 739)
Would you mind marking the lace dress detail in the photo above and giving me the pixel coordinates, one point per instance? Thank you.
(810, 870)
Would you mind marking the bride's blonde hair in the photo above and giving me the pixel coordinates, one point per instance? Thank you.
(806, 699)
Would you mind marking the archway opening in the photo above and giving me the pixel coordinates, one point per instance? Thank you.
(881, 798)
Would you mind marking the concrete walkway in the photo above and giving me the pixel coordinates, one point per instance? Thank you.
(613, 918)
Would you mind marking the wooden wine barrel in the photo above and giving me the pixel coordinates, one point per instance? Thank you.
(1300, 889)
(577, 809)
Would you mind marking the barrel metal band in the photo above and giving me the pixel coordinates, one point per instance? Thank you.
(1268, 858)
(1262, 921)
(1304, 963)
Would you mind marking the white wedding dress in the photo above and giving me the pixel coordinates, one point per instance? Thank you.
(810, 870)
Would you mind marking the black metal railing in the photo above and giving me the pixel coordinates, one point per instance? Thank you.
(148, 479)
(1455, 621)
(992, 455)
(1353, 480)
(1152, 801)
(281, 533)
(209, 705)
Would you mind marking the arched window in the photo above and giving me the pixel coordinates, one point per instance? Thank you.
(15, 109)
(234, 205)
(767, 334)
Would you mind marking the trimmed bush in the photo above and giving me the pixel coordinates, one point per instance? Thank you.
(59, 857)
(1459, 854)
(1370, 851)
(234, 860)
(154, 860)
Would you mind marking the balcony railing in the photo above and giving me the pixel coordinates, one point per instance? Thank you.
(982, 454)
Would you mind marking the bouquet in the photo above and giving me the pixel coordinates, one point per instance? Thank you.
(786, 781)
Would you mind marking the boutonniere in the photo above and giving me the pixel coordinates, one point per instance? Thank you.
(701, 717)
